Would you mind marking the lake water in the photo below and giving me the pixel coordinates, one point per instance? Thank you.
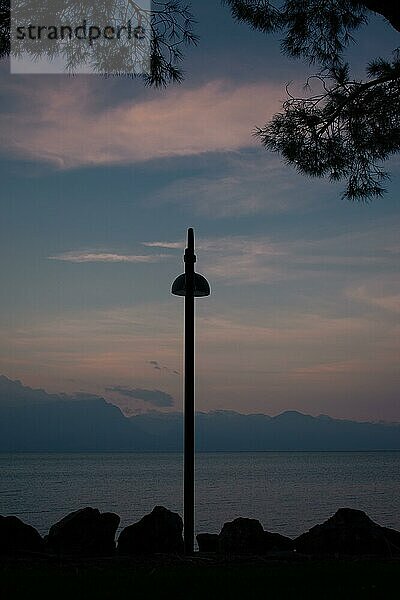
(288, 492)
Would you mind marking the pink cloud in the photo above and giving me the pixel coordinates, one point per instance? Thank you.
(382, 292)
(106, 257)
(64, 126)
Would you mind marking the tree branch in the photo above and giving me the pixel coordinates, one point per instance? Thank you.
(360, 89)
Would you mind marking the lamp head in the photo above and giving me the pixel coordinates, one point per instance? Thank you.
(201, 286)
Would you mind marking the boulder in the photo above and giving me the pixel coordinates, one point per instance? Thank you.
(85, 532)
(16, 537)
(158, 532)
(349, 532)
(393, 537)
(242, 536)
(207, 542)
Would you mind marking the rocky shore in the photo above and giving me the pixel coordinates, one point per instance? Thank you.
(89, 533)
(347, 556)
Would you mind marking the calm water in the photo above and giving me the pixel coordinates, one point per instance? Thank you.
(288, 492)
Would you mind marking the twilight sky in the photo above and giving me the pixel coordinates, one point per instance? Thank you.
(100, 179)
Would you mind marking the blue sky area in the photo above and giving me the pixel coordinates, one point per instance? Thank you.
(100, 179)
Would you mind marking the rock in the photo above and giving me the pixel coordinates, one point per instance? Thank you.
(349, 532)
(242, 536)
(158, 532)
(393, 537)
(208, 542)
(85, 532)
(275, 542)
(18, 537)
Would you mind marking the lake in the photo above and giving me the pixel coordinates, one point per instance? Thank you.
(288, 492)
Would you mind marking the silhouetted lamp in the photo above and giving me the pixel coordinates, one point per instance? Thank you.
(191, 285)
(201, 286)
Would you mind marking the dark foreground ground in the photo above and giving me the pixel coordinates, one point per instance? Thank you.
(200, 577)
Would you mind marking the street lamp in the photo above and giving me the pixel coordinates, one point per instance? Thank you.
(191, 285)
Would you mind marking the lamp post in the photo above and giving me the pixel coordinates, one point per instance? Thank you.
(191, 285)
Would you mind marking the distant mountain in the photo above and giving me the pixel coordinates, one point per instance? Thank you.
(226, 431)
(35, 421)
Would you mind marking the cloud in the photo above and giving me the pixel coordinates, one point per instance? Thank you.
(14, 393)
(259, 259)
(154, 397)
(65, 127)
(381, 292)
(271, 355)
(238, 259)
(166, 245)
(238, 187)
(226, 244)
(106, 257)
(301, 330)
(95, 346)
(156, 365)
(349, 367)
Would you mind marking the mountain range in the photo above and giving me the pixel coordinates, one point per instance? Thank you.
(33, 420)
